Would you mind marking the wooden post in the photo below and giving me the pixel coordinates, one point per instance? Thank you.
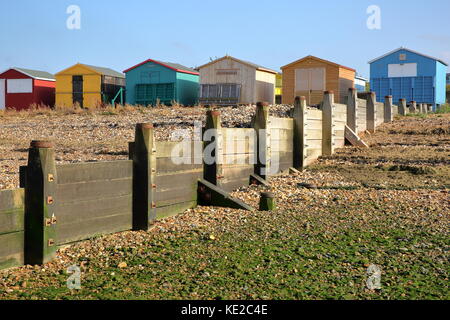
(144, 177)
(412, 107)
(371, 111)
(424, 108)
(262, 128)
(267, 202)
(40, 198)
(130, 150)
(388, 117)
(352, 110)
(299, 132)
(402, 110)
(327, 121)
(213, 147)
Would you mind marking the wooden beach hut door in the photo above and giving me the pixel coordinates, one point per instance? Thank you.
(2, 94)
(77, 90)
(310, 83)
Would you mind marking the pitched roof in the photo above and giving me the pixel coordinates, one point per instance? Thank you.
(106, 71)
(251, 64)
(174, 66)
(402, 48)
(321, 60)
(100, 70)
(36, 74)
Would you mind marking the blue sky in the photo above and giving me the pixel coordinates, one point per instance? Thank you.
(120, 34)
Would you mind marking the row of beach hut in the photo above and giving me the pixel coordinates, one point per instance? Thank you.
(224, 81)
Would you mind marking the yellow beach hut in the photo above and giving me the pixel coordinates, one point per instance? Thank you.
(88, 85)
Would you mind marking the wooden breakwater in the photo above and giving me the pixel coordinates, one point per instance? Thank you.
(60, 204)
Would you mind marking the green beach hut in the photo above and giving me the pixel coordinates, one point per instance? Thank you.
(154, 81)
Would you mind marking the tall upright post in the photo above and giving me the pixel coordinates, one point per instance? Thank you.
(352, 110)
(388, 116)
(40, 198)
(412, 107)
(262, 128)
(299, 132)
(424, 108)
(212, 161)
(327, 120)
(402, 109)
(144, 177)
(371, 111)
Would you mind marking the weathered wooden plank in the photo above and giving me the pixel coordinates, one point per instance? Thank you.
(237, 133)
(281, 123)
(11, 221)
(313, 133)
(177, 193)
(282, 134)
(340, 108)
(238, 146)
(169, 197)
(339, 133)
(91, 171)
(167, 181)
(11, 211)
(166, 165)
(395, 110)
(241, 172)
(353, 138)
(92, 190)
(314, 143)
(285, 157)
(284, 160)
(12, 199)
(314, 125)
(314, 114)
(11, 250)
(165, 149)
(340, 115)
(238, 159)
(97, 208)
(167, 211)
(96, 226)
(282, 145)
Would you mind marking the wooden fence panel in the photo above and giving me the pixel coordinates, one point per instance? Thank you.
(379, 113)
(92, 199)
(11, 228)
(313, 132)
(176, 178)
(361, 119)
(339, 123)
(282, 144)
(238, 157)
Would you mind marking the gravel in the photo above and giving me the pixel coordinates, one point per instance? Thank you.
(99, 135)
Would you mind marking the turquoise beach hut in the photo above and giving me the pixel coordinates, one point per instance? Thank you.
(154, 81)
